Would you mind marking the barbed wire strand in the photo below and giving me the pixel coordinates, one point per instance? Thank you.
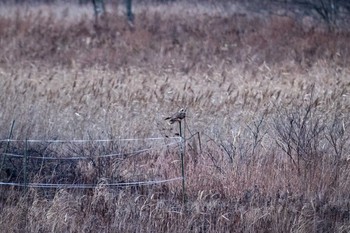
(88, 186)
(93, 157)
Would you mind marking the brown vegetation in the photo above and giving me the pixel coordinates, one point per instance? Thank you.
(269, 97)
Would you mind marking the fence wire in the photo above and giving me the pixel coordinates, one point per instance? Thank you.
(88, 186)
(88, 140)
(91, 157)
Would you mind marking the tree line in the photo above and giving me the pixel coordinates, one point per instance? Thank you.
(328, 10)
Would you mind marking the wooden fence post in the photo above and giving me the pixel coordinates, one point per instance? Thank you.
(182, 155)
(7, 146)
(25, 182)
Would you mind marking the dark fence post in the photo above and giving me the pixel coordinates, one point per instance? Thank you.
(182, 155)
(7, 146)
(25, 181)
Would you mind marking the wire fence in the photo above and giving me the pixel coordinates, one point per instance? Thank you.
(136, 152)
(88, 186)
(25, 156)
(87, 140)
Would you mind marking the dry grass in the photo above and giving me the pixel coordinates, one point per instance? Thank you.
(269, 98)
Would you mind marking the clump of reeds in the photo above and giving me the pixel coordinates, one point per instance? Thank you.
(272, 118)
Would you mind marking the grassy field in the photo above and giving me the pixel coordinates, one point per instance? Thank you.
(268, 95)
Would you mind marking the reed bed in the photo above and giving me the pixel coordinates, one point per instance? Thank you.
(268, 97)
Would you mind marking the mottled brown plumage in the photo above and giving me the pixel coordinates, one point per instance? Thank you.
(177, 117)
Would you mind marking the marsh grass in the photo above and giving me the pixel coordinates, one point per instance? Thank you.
(269, 99)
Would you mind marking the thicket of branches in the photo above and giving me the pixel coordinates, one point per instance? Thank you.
(330, 11)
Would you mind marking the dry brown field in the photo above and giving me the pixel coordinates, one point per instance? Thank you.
(268, 95)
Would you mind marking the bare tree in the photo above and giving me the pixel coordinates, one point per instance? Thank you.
(129, 13)
(99, 9)
(329, 10)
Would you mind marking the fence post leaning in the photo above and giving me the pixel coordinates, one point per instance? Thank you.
(7, 146)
